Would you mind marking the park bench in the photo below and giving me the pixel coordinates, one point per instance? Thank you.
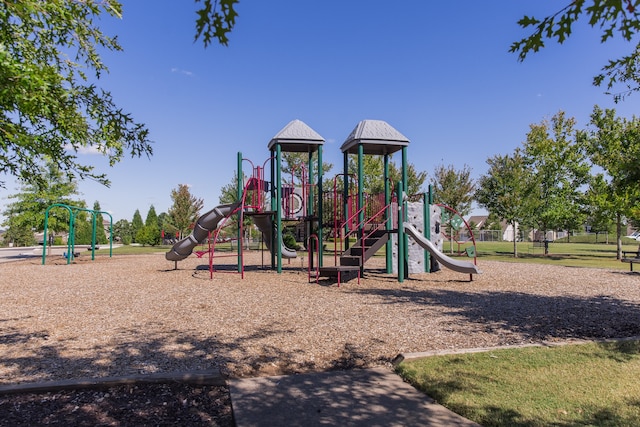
(631, 257)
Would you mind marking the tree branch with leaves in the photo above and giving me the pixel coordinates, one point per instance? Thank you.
(505, 189)
(50, 107)
(619, 17)
(216, 19)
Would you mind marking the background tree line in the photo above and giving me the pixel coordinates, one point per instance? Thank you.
(560, 178)
(26, 214)
(563, 178)
(173, 224)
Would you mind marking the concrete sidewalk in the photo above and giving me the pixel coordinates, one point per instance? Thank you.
(362, 397)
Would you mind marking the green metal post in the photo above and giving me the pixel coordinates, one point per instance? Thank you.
(320, 206)
(71, 236)
(274, 203)
(72, 239)
(361, 199)
(426, 221)
(93, 249)
(71, 244)
(310, 212)
(429, 203)
(345, 198)
(310, 208)
(278, 231)
(93, 236)
(239, 190)
(110, 234)
(405, 187)
(388, 215)
(401, 235)
(44, 235)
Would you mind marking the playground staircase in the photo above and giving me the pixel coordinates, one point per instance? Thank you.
(352, 260)
(353, 255)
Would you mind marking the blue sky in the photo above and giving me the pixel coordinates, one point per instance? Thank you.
(439, 72)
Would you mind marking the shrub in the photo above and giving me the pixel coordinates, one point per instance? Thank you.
(290, 241)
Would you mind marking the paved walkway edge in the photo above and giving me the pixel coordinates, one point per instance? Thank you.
(409, 356)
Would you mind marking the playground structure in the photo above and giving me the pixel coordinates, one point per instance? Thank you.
(456, 230)
(73, 210)
(358, 224)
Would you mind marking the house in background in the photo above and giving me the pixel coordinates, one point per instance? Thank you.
(506, 233)
(477, 221)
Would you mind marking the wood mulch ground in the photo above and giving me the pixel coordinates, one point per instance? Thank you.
(136, 315)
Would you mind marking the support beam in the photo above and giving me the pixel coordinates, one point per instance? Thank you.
(320, 207)
(278, 233)
(401, 235)
(388, 216)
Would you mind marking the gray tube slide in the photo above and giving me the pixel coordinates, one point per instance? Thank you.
(207, 222)
(450, 263)
(263, 222)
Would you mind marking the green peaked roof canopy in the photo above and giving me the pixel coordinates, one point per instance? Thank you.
(297, 137)
(376, 137)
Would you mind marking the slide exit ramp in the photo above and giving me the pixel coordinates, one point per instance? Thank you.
(452, 264)
(265, 224)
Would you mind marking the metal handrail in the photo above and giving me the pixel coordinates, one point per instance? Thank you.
(337, 226)
(378, 227)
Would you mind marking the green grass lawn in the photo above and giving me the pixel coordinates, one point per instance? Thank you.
(140, 250)
(598, 255)
(576, 385)
(132, 250)
(573, 385)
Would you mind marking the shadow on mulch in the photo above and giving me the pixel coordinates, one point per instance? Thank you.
(126, 405)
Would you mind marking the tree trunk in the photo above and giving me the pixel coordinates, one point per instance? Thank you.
(618, 236)
(450, 239)
(515, 240)
(546, 245)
